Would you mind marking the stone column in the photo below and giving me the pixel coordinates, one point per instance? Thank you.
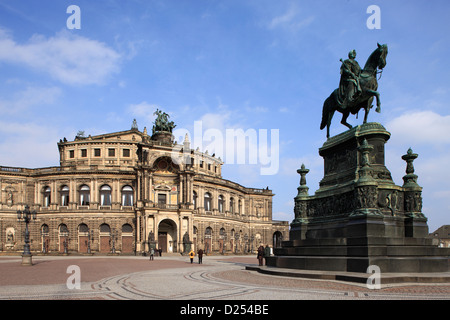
(415, 221)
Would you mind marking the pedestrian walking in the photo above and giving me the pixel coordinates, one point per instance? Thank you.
(152, 253)
(200, 256)
(260, 254)
(192, 255)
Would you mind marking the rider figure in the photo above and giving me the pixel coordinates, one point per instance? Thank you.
(349, 87)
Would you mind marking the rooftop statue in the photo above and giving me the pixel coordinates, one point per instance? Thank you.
(357, 88)
(162, 122)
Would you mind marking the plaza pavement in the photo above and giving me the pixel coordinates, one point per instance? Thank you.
(175, 278)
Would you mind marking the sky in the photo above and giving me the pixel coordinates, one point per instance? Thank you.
(260, 66)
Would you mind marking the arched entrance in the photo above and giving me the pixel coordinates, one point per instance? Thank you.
(63, 238)
(127, 238)
(84, 238)
(105, 238)
(277, 239)
(167, 236)
(208, 240)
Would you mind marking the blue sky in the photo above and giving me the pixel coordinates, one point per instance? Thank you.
(230, 64)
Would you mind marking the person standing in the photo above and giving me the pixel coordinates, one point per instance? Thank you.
(266, 253)
(200, 256)
(192, 255)
(260, 254)
(152, 252)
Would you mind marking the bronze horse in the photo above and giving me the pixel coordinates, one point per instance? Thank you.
(369, 86)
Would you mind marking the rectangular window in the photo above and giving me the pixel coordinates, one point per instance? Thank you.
(71, 154)
(97, 153)
(83, 153)
(162, 198)
(126, 152)
(111, 152)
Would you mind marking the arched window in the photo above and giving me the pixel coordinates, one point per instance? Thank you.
(105, 195)
(83, 228)
(127, 228)
(220, 203)
(47, 196)
(104, 228)
(194, 199)
(63, 230)
(65, 196)
(85, 195)
(232, 205)
(239, 207)
(207, 201)
(127, 196)
(45, 229)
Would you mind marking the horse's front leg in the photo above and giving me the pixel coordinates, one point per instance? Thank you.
(366, 111)
(377, 96)
(344, 120)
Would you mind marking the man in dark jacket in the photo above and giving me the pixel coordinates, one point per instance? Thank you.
(200, 256)
(260, 254)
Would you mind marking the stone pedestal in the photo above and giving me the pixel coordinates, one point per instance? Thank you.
(27, 260)
(359, 217)
(163, 137)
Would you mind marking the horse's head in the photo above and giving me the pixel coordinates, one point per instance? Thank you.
(383, 49)
(377, 59)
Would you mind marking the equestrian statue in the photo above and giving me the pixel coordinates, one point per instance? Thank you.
(357, 88)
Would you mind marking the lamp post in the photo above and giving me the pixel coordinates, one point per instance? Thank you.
(90, 236)
(65, 245)
(247, 245)
(26, 215)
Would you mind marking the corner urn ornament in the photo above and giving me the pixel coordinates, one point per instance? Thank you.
(357, 88)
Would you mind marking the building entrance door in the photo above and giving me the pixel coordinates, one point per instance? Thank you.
(105, 244)
(167, 236)
(83, 244)
(162, 241)
(207, 244)
(221, 248)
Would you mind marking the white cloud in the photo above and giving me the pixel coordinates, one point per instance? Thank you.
(28, 98)
(284, 18)
(28, 145)
(144, 110)
(69, 58)
(421, 127)
(428, 134)
(290, 20)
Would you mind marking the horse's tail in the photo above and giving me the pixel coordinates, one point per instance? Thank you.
(325, 113)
